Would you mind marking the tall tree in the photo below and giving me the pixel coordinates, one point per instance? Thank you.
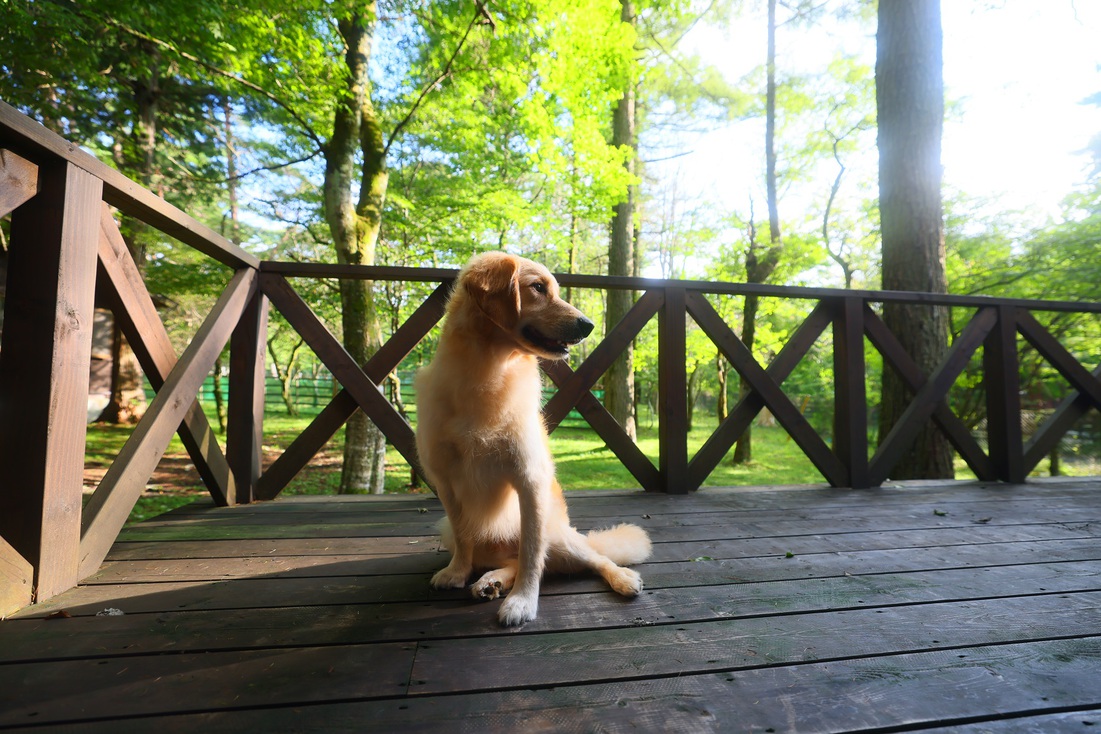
(910, 106)
(354, 224)
(761, 258)
(113, 87)
(619, 382)
(664, 87)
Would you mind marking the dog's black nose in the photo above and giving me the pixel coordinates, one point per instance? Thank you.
(584, 326)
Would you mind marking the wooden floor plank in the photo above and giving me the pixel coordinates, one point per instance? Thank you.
(661, 529)
(995, 688)
(600, 655)
(271, 547)
(211, 630)
(138, 685)
(673, 550)
(963, 607)
(811, 556)
(1060, 723)
(202, 531)
(589, 513)
(370, 580)
(405, 579)
(213, 569)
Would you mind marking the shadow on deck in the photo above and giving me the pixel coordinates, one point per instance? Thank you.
(970, 606)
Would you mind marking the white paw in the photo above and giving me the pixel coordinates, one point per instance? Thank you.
(626, 582)
(518, 609)
(449, 578)
(487, 588)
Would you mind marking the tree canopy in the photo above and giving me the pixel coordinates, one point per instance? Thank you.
(491, 125)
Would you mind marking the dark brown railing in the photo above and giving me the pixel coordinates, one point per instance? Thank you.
(846, 463)
(66, 252)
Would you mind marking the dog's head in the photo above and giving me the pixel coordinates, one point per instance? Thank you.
(521, 298)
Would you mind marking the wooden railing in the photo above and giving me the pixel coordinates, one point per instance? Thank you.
(66, 247)
(848, 461)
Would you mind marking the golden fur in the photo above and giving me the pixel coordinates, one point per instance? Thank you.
(483, 444)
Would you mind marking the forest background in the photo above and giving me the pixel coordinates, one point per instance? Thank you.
(413, 133)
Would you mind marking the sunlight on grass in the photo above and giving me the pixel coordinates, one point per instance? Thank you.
(583, 462)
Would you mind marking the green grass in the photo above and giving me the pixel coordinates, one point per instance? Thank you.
(583, 462)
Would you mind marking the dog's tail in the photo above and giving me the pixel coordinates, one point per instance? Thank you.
(624, 544)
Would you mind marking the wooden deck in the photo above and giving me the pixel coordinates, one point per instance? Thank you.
(967, 606)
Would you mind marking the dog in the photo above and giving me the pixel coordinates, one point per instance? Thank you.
(484, 449)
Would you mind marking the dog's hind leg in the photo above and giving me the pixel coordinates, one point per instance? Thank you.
(495, 583)
(572, 552)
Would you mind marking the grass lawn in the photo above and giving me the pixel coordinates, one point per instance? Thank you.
(583, 461)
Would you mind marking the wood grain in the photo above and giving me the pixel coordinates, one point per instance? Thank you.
(124, 289)
(18, 181)
(16, 580)
(110, 505)
(44, 366)
(245, 413)
(35, 142)
(362, 388)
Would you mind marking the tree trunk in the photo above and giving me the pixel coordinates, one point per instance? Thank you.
(770, 132)
(286, 373)
(759, 267)
(355, 229)
(219, 398)
(910, 105)
(127, 403)
(743, 449)
(234, 237)
(575, 237)
(619, 381)
(722, 408)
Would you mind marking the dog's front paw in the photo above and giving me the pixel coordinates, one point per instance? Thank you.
(626, 581)
(518, 609)
(450, 578)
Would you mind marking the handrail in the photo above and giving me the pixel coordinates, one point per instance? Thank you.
(992, 327)
(26, 137)
(615, 282)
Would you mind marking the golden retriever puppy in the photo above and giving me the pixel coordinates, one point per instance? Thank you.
(483, 444)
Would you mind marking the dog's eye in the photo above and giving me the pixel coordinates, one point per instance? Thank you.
(539, 286)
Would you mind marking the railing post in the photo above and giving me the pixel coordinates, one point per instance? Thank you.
(44, 369)
(1001, 376)
(673, 393)
(245, 419)
(850, 415)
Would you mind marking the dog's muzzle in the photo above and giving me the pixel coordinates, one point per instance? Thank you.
(560, 343)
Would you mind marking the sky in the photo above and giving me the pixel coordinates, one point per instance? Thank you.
(1016, 72)
(1019, 74)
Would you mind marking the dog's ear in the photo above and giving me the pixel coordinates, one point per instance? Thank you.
(493, 281)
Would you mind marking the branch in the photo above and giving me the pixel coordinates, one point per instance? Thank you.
(273, 167)
(668, 157)
(684, 31)
(801, 14)
(220, 72)
(481, 14)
